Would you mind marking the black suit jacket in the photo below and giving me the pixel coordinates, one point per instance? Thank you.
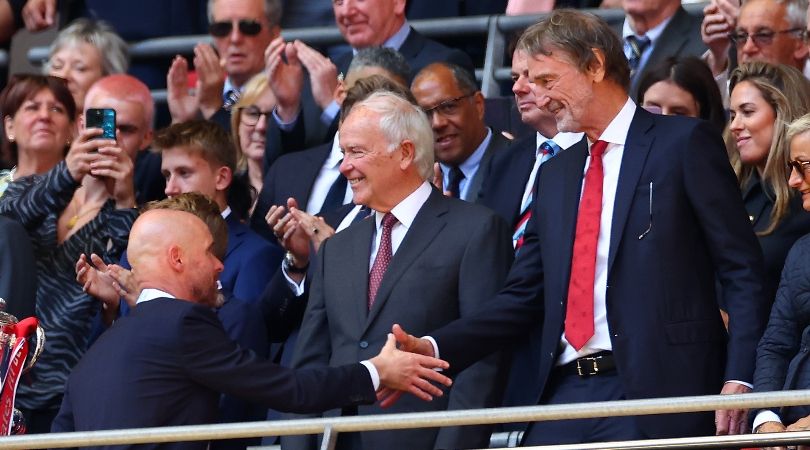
(502, 190)
(174, 358)
(667, 335)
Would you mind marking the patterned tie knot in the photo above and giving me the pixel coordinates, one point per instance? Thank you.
(638, 44)
(549, 147)
(598, 149)
(230, 98)
(388, 222)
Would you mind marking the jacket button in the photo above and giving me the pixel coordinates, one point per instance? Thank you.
(363, 344)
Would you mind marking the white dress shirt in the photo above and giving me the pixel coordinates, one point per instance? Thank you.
(329, 172)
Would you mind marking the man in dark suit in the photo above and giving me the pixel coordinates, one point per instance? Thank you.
(453, 253)
(372, 23)
(173, 357)
(618, 289)
(463, 144)
(656, 30)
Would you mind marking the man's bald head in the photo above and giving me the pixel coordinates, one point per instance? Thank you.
(172, 251)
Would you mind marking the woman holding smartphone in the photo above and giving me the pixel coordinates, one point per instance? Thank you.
(83, 204)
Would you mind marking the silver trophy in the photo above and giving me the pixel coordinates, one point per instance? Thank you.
(16, 358)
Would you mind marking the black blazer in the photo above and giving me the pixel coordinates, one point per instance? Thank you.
(173, 359)
(667, 335)
(18, 269)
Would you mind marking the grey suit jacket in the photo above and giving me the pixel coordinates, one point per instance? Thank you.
(497, 144)
(452, 260)
(680, 38)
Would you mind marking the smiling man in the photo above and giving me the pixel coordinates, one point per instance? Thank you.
(463, 144)
(454, 254)
(615, 281)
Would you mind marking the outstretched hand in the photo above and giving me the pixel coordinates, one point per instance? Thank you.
(410, 343)
(408, 372)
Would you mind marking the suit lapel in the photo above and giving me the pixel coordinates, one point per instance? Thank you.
(358, 256)
(235, 232)
(413, 45)
(496, 144)
(636, 149)
(308, 173)
(574, 171)
(424, 229)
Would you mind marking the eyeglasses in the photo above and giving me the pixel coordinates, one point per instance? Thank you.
(761, 38)
(448, 107)
(251, 115)
(246, 27)
(801, 167)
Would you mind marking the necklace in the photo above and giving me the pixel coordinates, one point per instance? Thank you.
(75, 218)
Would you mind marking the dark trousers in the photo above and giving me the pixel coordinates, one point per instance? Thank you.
(574, 389)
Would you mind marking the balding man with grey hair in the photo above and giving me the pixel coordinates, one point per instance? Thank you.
(423, 258)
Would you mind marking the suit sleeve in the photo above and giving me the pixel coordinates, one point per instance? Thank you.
(283, 312)
(258, 260)
(732, 244)
(482, 272)
(313, 348)
(63, 422)
(213, 360)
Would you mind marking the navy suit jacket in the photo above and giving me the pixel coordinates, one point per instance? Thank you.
(502, 190)
(667, 335)
(249, 261)
(292, 175)
(174, 359)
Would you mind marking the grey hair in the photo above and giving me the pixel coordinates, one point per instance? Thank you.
(401, 120)
(113, 50)
(272, 11)
(384, 58)
(796, 11)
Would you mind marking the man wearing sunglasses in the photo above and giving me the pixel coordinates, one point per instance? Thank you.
(773, 31)
(241, 30)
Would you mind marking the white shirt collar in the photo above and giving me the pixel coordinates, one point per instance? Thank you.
(151, 294)
(616, 131)
(653, 33)
(406, 210)
(226, 212)
(335, 155)
(564, 139)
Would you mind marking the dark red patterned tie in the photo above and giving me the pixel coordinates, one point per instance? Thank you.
(382, 259)
(579, 313)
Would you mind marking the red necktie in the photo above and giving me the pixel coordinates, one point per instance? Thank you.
(382, 259)
(579, 314)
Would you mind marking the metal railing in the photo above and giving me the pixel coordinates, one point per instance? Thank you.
(495, 29)
(332, 426)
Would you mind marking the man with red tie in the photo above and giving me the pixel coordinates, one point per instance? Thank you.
(616, 276)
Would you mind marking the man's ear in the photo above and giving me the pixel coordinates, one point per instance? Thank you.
(407, 154)
(597, 67)
(224, 177)
(176, 260)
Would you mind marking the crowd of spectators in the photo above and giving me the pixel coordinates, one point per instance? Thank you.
(307, 153)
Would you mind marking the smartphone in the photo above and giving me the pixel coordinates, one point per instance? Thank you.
(103, 118)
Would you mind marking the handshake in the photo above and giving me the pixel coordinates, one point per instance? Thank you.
(409, 368)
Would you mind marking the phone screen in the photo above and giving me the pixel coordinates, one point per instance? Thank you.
(103, 118)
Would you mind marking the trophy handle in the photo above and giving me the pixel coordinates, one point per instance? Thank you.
(35, 354)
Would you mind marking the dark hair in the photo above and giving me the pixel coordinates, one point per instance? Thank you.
(369, 85)
(22, 87)
(464, 79)
(214, 145)
(202, 207)
(693, 76)
(577, 34)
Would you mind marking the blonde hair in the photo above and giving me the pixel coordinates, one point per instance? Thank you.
(254, 88)
(787, 92)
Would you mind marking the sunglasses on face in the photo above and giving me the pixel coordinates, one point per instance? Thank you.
(801, 167)
(246, 27)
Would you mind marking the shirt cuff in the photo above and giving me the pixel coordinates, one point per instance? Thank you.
(765, 416)
(285, 126)
(435, 346)
(372, 371)
(748, 385)
(329, 113)
(297, 289)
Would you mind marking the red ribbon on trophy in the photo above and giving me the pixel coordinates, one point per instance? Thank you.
(18, 346)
